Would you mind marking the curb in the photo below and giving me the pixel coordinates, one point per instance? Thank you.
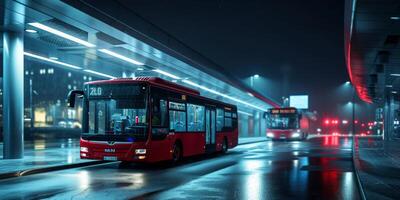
(264, 140)
(359, 184)
(47, 169)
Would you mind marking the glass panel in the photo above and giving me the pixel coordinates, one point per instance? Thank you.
(92, 117)
(208, 127)
(177, 120)
(228, 122)
(213, 126)
(220, 119)
(177, 106)
(118, 117)
(159, 116)
(195, 117)
(282, 121)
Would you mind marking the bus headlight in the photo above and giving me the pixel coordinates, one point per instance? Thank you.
(270, 135)
(140, 151)
(84, 149)
(295, 135)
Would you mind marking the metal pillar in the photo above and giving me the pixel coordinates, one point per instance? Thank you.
(13, 95)
(388, 117)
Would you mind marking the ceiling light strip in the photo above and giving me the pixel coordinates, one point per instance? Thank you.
(61, 34)
(245, 113)
(221, 94)
(51, 61)
(166, 74)
(99, 74)
(124, 58)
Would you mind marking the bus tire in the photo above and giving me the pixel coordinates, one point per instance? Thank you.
(177, 152)
(225, 146)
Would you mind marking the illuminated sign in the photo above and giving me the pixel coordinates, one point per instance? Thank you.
(283, 111)
(114, 90)
(299, 101)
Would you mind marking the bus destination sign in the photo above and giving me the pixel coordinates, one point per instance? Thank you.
(283, 111)
(114, 90)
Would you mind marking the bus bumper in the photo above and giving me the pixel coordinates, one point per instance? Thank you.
(131, 152)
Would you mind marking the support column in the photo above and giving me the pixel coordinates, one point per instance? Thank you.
(388, 118)
(256, 124)
(13, 95)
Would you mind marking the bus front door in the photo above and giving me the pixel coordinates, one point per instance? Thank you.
(210, 130)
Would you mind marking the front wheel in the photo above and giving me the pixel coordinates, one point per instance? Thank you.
(225, 146)
(176, 153)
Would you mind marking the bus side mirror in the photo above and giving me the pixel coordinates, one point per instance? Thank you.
(71, 97)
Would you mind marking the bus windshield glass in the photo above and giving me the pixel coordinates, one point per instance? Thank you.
(282, 121)
(118, 114)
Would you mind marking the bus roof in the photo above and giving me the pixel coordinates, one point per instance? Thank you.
(151, 80)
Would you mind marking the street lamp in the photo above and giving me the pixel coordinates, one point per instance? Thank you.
(255, 76)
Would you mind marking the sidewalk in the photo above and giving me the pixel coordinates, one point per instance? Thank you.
(64, 153)
(378, 164)
(40, 154)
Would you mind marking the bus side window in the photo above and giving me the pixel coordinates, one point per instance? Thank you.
(220, 119)
(160, 114)
(195, 115)
(228, 119)
(177, 116)
(159, 119)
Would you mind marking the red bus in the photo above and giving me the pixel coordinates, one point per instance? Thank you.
(149, 119)
(286, 123)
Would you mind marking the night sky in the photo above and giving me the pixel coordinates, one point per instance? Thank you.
(296, 46)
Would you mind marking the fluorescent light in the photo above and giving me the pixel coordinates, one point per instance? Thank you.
(53, 58)
(51, 61)
(61, 34)
(31, 31)
(395, 18)
(98, 73)
(394, 92)
(394, 74)
(256, 76)
(221, 94)
(111, 53)
(244, 113)
(166, 74)
(250, 94)
(140, 69)
(389, 86)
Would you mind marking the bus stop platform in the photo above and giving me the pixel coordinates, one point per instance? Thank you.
(42, 156)
(378, 165)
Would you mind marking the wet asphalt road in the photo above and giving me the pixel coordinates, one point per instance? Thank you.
(319, 168)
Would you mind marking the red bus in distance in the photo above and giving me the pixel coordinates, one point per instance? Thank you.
(286, 124)
(149, 119)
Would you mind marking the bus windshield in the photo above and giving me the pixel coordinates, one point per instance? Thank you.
(283, 121)
(119, 116)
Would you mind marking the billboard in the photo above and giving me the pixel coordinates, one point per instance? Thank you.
(299, 101)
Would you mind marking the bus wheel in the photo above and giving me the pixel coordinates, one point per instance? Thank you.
(177, 153)
(225, 146)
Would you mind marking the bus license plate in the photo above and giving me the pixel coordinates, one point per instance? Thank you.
(111, 158)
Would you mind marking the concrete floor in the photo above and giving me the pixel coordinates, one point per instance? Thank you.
(319, 168)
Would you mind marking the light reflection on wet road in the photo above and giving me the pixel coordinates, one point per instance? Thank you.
(319, 168)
